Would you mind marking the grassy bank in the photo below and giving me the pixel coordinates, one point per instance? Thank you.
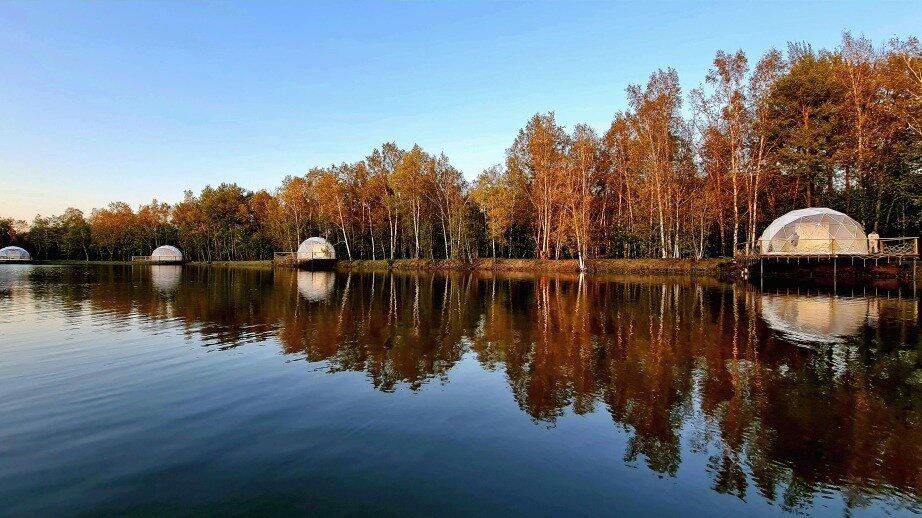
(627, 266)
(75, 262)
(619, 266)
(219, 264)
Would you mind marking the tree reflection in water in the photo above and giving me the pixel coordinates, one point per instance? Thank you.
(684, 367)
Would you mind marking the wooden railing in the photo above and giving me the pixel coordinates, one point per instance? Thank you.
(881, 247)
(899, 246)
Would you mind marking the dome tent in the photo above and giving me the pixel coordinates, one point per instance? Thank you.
(815, 230)
(166, 254)
(316, 248)
(14, 253)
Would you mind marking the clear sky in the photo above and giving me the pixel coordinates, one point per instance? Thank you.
(129, 101)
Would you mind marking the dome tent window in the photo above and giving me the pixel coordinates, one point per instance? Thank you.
(815, 230)
(166, 254)
(316, 248)
(14, 253)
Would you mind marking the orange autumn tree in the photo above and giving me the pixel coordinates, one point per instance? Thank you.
(537, 163)
(495, 195)
(839, 127)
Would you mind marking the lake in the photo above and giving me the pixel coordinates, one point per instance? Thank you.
(164, 390)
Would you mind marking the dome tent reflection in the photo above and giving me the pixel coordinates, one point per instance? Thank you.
(165, 277)
(12, 278)
(816, 318)
(16, 274)
(316, 286)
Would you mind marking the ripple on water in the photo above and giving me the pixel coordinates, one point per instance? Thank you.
(452, 392)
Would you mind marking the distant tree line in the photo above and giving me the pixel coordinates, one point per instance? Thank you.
(839, 128)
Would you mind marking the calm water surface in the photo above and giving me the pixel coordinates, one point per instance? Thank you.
(158, 390)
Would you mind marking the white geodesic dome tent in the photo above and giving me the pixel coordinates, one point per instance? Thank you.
(815, 230)
(166, 254)
(14, 253)
(316, 248)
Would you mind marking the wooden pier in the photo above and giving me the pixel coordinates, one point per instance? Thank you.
(893, 257)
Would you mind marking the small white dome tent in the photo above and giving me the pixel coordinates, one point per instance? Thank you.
(316, 248)
(814, 230)
(166, 254)
(14, 253)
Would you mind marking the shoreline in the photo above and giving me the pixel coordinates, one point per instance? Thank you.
(266, 263)
(704, 267)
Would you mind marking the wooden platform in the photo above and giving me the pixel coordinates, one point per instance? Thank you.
(815, 258)
(864, 259)
(887, 249)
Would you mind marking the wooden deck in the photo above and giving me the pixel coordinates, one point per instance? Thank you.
(808, 250)
(806, 258)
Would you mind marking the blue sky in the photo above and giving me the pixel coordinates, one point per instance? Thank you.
(129, 101)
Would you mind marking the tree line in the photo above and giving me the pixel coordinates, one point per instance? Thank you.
(674, 175)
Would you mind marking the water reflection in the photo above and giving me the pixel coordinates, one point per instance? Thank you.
(402, 329)
(690, 370)
(316, 286)
(13, 277)
(811, 319)
(165, 277)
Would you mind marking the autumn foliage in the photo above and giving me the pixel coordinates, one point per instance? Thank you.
(674, 175)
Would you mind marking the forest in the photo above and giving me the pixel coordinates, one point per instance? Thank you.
(696, 174)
